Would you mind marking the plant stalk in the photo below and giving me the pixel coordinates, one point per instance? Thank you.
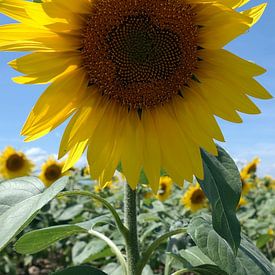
(130, 220)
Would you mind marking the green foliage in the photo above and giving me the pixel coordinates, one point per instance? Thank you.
(249, 259)
(80, 270)
(222, 186)
(60, 230)
(203, 270)
(37, 240)
(18, 211)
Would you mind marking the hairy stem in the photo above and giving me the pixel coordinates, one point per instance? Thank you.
(130, 220)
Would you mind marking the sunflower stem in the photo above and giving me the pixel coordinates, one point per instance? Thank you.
(130, 220)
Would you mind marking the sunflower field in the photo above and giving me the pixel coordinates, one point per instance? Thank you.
(144, 87)
(57, 237)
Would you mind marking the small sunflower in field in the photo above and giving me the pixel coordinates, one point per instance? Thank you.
(271, 232)
(165, 188)
(51, 171)
(85, 171)
(14, 164)
(268, 182)
(99, 188)
(247, 186)
(242, 202)
(250, 169)
(194, 198)
(126, 70)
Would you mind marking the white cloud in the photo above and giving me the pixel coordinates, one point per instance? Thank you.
(37, 155)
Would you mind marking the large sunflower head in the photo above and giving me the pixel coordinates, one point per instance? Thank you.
(129, 69)
(51, 171)
(194, 198)
(165, 188)
(14, 164)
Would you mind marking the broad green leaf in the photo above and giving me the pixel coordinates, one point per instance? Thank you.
(113, 268)
(21, 212)
(222, 186)
(206, 269)
(89, 251)
(195, 257)
(80, 270)
(70, 212)
(248, 261)
(14, 191)
(37, 240)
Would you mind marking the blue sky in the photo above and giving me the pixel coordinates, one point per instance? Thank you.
(254, 137)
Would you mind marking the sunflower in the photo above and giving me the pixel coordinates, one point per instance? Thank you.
(126, 70)
(14, 164)
(165, 187)
(85, 171)
(250, 169)
(99, 188)
(247, 186)
(194, 198)
(271, 232)
(242, 202)
(51, 171)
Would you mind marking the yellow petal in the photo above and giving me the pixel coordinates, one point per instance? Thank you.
(187, 122)
(56, 104)
(90, 113)
(131, 155)
(220, 25)
(234, 3)
(255, 13)
(222, 59)
(74, 155)
(151, 151)
(53, 65)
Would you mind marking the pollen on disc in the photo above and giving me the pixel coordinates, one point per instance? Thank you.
(140, 53)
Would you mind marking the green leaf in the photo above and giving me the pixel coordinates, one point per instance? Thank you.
(113, 268)
(80, 270)
(16, 215)
(222, 186)
(38, 240)
(70, 212)
(17, 190)
(86, 252)
(206, 269)
(263, 240)
(249, 259)
(195, 257)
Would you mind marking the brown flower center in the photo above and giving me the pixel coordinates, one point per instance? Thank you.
(140, 53)
(15, 162)
(53, 172)
(197, 197)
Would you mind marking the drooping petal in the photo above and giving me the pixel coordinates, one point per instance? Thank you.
(151, 151)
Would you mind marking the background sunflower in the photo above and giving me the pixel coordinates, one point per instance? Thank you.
(51, 171)
(14, 164)
(194, 198)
